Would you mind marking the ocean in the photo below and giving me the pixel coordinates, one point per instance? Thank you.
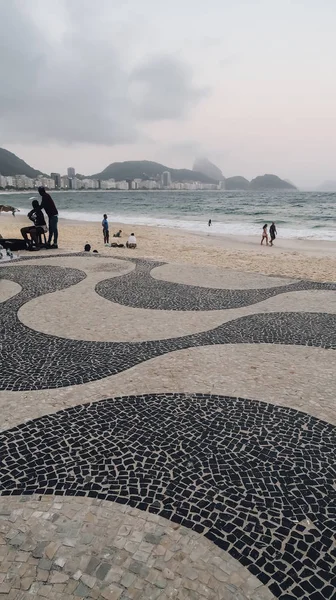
(302, 215)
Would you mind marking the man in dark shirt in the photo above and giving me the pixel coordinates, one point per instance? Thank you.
(273, 233)
(35, 215)
(49, 206)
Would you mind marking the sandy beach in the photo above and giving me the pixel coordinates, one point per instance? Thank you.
(304, 259)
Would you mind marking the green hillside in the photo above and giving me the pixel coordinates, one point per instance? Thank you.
(146, 169)
(237, 183)
(10, 164)
(270, 182)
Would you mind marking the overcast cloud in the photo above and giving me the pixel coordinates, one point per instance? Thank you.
(250, 84)
(76, 86)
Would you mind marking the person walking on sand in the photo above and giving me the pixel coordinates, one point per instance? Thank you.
(106, 232)
(264, 235)
(273, 233)
(49, 206)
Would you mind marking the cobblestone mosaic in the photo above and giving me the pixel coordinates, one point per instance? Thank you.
(42, 361)
(256, 479)
(140, 290)
(74, 547)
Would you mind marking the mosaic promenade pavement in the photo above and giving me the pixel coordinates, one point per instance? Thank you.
(167, 431)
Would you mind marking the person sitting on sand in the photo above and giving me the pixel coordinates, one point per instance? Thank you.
(273, 233)
(39, 227)
(131, 242)
(118, 234)
(106, 232)
(264, 235)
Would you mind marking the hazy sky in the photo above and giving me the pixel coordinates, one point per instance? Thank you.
(248, 83)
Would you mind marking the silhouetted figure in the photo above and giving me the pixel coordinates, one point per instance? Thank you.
(49, 206)
(273, 233)
(39, 227)
(209, 223)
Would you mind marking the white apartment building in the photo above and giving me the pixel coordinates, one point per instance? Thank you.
(166, 179)
(64, 182)
(46, 182)
(88, 184)
(3, 181)
(122, 185)
(108, 184)
(149, 184)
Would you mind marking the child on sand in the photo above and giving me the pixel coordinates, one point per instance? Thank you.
(264, 235)
(105, 230)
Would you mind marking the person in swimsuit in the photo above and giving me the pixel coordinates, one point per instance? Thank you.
(273, 233)
(264, 235)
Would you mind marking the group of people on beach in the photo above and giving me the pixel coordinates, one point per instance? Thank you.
(272, 234)
(131, 242)
(39, 228)
(264, 236)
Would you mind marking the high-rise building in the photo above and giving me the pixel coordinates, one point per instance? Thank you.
(57, 179)
(72, 183)
(71, 172)
(166, 179)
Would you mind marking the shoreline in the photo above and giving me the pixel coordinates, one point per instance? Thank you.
(303, 259)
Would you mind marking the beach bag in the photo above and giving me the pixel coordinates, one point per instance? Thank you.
(13, 244)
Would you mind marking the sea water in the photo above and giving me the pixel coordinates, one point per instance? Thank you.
(302, 215)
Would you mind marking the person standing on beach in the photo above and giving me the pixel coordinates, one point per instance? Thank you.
(273, 233)
(49, 206)
(106, 233)
(209, 223)
(264, 235)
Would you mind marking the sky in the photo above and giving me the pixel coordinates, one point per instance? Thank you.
(249, 84)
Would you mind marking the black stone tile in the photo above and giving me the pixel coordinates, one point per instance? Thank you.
(43, 361)
(181, 456)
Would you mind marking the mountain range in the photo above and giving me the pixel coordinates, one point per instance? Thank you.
(262, 182)
(203, 171)
(146, 169)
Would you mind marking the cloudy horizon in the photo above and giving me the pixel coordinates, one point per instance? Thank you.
(249, 85)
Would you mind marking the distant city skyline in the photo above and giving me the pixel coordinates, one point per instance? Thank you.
(247, 84)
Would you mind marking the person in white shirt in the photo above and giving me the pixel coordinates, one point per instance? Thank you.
(131, 242)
